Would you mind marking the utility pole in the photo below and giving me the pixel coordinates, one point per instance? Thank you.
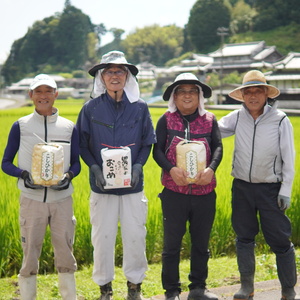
(221, 31)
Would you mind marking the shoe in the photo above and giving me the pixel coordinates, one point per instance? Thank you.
(289, 294)
(106, 292)
(172, 295)
(134, 291)
(201, 294)
(297, 297)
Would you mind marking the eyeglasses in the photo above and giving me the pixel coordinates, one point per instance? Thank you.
(192, 92)
(116, 73)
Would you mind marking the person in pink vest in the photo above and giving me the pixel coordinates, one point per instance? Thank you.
(189, 192)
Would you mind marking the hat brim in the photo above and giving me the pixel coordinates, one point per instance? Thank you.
(236, 94)
(133, 69)
(205, 88)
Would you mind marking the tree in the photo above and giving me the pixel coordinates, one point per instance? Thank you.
(206, 17)
(72, 37)
(242, 17)
(276, 13)
(154, 44)
(60, 43)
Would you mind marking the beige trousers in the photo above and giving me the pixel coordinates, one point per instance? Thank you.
(35, 216)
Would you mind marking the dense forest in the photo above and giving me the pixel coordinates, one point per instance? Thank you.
(68, 42)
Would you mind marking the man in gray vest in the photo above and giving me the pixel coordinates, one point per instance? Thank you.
(263, 171)
(43, 201)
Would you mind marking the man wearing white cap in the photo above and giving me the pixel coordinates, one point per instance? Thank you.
(115, 120)
(263, 171)
(49, 204)
(189, 193)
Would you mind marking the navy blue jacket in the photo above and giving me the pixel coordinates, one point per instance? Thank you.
(104, 122)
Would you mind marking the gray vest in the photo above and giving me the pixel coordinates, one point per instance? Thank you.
(50, 129)
(257, 157)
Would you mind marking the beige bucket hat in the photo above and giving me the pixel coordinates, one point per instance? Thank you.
(254, 78)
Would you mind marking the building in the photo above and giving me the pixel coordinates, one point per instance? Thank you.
(283, 72)
(242, 57)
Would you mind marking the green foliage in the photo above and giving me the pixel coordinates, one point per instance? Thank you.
(177, 60)
(205, 18)
(287, 38)
(276, 13)
(71, 38)
(59, 43)
(242, 16)
(79, 74)
(154, 43)
(68, 41)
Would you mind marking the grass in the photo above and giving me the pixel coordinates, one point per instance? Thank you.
(222, 272)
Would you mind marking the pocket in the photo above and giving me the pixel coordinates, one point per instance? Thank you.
(130, 124)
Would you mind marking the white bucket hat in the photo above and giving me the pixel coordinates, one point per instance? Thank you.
(131, 87)
(187, 78)
(116, 58)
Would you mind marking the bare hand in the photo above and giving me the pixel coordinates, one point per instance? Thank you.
(179, 176)
(204, 177)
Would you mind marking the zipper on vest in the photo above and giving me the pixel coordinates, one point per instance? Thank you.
(45, 139)
(45, 128)
(252, 153)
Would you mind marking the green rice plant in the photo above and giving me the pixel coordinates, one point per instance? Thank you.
(222, 236)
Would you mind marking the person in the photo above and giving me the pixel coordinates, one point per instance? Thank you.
(116, 117)
(41, 206)
(182, 201)
(263, 171)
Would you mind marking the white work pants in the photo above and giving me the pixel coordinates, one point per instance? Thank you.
(106, 211)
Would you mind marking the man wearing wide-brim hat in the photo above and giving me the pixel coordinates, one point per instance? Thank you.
(188, 197)
(116, 119)
(263, 171)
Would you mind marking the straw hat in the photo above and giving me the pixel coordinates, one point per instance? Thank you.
(116, 58)
(254, 78)
(186, 78)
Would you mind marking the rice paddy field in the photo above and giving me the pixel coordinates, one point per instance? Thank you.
(222, 237)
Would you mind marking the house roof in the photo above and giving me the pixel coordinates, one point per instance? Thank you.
(282, 77)
(265, 53)
(24, 83)
(291, 61)
(238, 49)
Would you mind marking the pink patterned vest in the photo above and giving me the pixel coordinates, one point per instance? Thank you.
(198, 130)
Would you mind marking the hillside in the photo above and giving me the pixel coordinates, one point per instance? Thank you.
(286, 38)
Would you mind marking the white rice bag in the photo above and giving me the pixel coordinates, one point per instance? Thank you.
(191, 156)
(47, 165)
(116, 167)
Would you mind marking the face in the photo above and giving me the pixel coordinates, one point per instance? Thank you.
(43, 98)
(255, 99)
(114, 78)
(186, 98)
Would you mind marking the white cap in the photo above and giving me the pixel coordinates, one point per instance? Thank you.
(43, 79)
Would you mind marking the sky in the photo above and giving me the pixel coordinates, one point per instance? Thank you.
(16, 16)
